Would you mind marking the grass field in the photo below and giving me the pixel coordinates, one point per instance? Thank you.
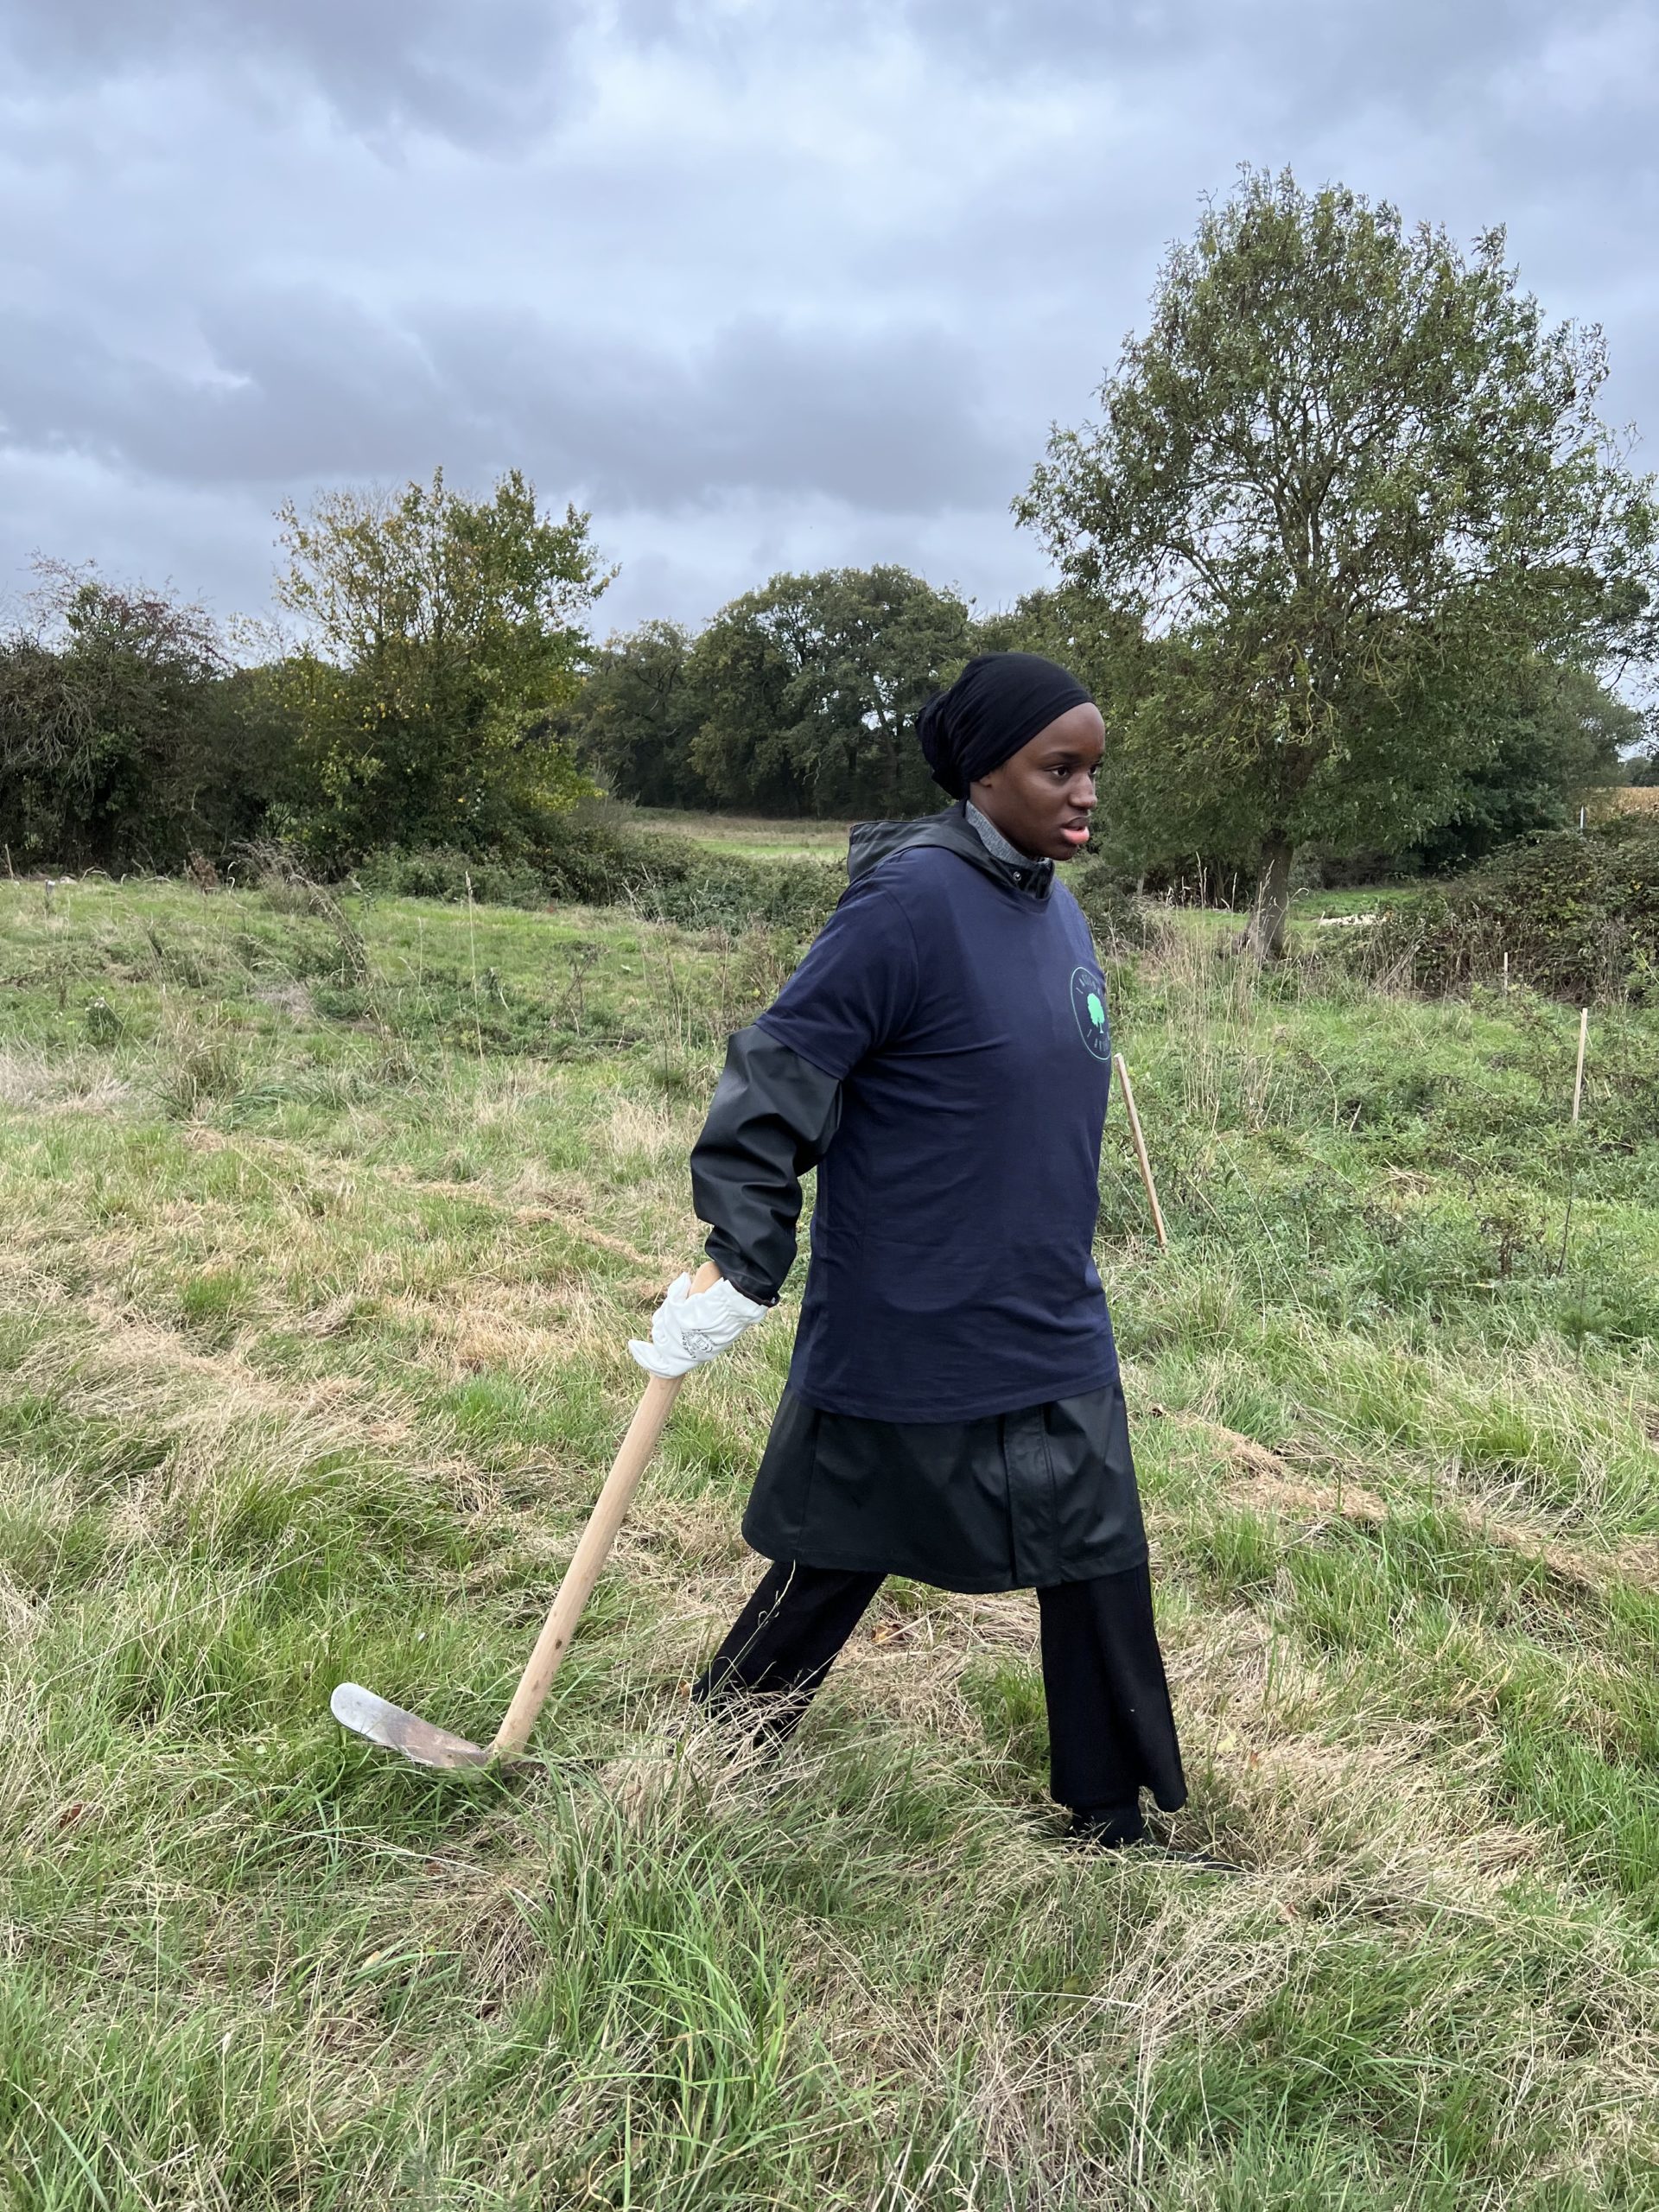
(320, 1235)
(756, 836)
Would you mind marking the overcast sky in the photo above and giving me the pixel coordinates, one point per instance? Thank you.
(765, 283)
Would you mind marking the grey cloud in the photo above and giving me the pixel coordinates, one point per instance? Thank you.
(465, 72)
(812, 293)
(1425, 50)
(885, 421)
(313, 385)
(474, 69)
(320, 389)
(1299, 54)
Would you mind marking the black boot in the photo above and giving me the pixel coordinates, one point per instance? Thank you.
(1107, 1827)
(1121, 1827)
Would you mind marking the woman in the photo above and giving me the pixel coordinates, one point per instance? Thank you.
(953, 1411)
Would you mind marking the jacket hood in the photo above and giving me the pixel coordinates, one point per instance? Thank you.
(872, 842)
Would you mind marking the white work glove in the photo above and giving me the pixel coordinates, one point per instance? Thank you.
(688, 1330)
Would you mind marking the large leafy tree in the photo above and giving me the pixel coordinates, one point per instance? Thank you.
(444, 634)
(1359, 485)
(807, 690)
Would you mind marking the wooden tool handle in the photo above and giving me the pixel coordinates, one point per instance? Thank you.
(1141, 1152)
(587, 1561)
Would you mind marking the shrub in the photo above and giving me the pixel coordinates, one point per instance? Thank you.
(1119, 920)
(443, 873)
(1578, 917)
(120, 722)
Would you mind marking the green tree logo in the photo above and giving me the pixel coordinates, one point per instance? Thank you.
(1089, 1004)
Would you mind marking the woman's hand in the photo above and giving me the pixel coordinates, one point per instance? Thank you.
(688, 1328)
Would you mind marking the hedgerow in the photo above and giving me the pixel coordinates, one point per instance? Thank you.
(1577, 915)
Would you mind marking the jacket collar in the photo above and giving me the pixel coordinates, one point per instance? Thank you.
(872, 842)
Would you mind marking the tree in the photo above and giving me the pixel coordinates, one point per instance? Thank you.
(114, 718)
(1357, 482)
(444, 636)
(637, 716)
(808, 691)
(1106, 646)
(1559, 737)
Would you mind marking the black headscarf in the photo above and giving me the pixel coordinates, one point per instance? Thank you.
(997, 704)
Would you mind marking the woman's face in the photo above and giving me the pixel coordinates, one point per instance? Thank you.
(1042, 795)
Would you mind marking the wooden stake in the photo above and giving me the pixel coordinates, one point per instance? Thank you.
(1578, 1079)
(1573, 1156)
(1141, 1152)
(472, 947)
(1506, 971)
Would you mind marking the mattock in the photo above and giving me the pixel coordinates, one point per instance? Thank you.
(359, 1709)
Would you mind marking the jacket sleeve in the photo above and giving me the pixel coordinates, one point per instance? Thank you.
(772, 1117)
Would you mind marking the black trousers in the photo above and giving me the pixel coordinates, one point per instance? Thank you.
(1110, 1728)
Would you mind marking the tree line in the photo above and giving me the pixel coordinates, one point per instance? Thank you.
(794, 701)
(1346, 554)
(799, 698)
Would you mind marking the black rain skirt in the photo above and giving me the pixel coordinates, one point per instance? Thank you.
(1015, 1501)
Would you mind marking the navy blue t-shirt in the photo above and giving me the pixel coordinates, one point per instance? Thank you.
(952, 1272)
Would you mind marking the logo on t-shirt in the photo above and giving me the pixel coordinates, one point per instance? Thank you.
(1089, 1004)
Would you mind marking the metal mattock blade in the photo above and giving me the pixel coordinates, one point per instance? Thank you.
(361, 1710)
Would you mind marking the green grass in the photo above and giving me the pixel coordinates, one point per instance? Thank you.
(1371, 899)
(319, 1247)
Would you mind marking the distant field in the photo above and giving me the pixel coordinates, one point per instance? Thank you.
(761, 838)
(321, 1236)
